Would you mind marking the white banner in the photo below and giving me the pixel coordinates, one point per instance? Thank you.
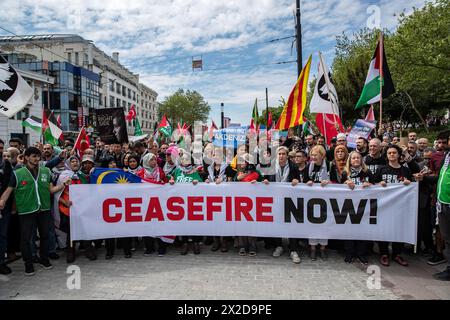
(233, 209)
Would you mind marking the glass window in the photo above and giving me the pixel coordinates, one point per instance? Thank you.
(118, 103)
(77, 62)
(124, 91)
(111, 85)
(111, 102)
(118, 87)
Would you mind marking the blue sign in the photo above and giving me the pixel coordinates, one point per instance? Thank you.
(230, 137)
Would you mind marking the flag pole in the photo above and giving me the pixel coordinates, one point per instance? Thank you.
(328, 86)
(324, 129)
(381, 78)
(267, 117)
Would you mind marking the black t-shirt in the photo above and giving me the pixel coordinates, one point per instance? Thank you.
(303, 174)
(373, 164)
(389, 174)
(359, 177)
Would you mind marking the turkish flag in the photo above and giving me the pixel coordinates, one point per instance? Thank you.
(131, 114)
(331, 121)
(82, 142)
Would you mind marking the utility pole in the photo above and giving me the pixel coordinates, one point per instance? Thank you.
(298, 37)
(222, 116)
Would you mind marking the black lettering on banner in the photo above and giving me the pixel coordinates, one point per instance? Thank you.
(373, 211)
(348, 210)
(291, 209)
(323, 210)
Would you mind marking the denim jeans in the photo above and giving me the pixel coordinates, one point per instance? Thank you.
(4, 222)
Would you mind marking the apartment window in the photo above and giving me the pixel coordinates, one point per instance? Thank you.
(111, 85)
(118, 88)
(100, 98)
(69, 56)
(118, 103)
(129, 93)
(124, 91)
(134, 96)
(77, 62)
(124, 105)
(111, 102)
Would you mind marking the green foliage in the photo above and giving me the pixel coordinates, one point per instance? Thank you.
(418, 55)
(185, 107)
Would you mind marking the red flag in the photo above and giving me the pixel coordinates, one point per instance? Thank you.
(82, 142)
(370, 115)
(44, 120)
(330, 121)
(211, 130)
(269, 121)
(58, 122)
(131, 114)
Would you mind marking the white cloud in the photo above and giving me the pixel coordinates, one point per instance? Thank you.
(142, 29)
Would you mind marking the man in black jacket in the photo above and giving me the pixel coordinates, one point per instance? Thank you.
(5, 214)
(284, 171)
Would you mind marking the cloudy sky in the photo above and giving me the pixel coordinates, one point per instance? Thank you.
(240, 42)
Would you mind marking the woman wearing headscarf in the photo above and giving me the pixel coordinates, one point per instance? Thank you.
(152, 173)
(338, 164)
(187, 173)
(171, 158)
(62, 204)
(246, 172)
(133, 164)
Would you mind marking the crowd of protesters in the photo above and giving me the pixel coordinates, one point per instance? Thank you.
(35, 204)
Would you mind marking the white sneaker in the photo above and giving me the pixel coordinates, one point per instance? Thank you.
(295, 258)
(278, 252)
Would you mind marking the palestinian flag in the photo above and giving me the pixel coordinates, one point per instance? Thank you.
(164, 127)
(292, 114)
(51, 131)
(33, 123)
(371, 90)
(255, 116)
(307, 128)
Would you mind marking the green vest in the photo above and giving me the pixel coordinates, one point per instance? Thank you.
(32, 195)
(443, 186)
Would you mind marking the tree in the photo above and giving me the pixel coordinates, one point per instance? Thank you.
(186, 107)
(418, 55)
(421, 56)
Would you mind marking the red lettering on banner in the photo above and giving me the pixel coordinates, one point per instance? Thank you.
(243, 205)
(192, 208)
(228, 208)
(171, 206)
(130, 209)
(261, 209)
(211, 207)
(154, 210)
(106, 215)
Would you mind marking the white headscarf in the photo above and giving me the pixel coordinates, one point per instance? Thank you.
(150, 173)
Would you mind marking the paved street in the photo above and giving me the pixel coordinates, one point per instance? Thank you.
(221, 276)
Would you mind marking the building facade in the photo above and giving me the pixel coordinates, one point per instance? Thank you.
(104, 82)
(147, 111)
